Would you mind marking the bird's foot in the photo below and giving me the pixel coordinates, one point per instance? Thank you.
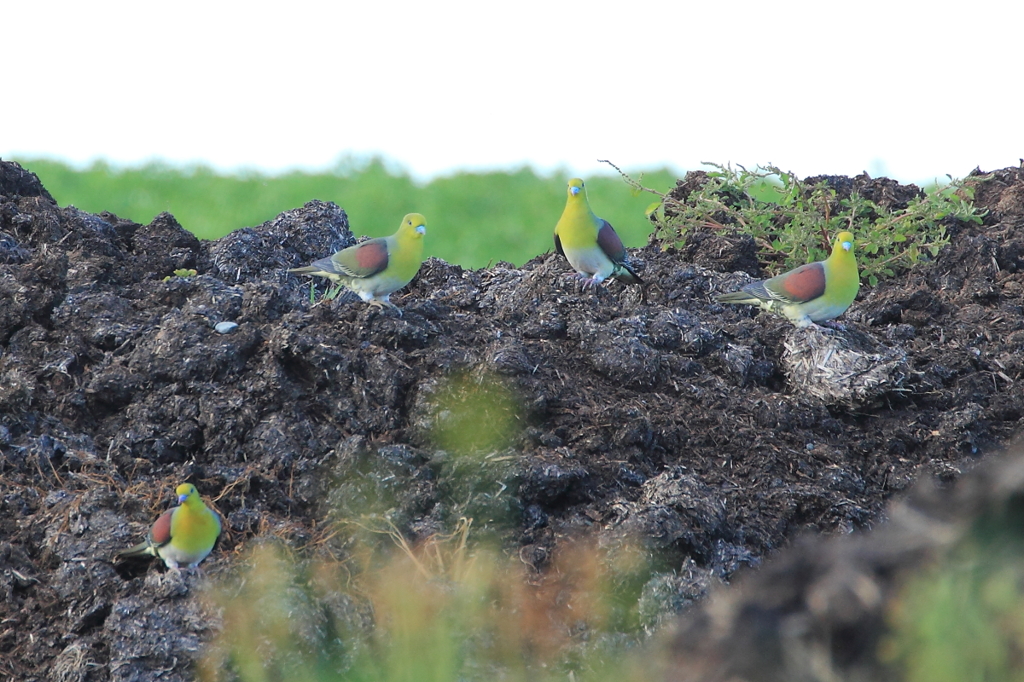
(585, 280)
(382, 304)
(826, 327)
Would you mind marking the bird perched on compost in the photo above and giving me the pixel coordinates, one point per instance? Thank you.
(810, 293)
(589, 243)
(376, 268)
(182, 536)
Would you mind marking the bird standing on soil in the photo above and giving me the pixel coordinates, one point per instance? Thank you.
(589, 243)
(376, 268)
(184, 535)
(811, 293)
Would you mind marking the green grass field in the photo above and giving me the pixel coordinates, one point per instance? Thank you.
(473, 218)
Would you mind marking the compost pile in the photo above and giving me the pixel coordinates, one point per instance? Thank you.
(659, 414)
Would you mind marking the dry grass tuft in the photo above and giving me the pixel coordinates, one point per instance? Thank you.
(847, 367)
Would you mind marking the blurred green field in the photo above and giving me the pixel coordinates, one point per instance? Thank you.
(473, 218)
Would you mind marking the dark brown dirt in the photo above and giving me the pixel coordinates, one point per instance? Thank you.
(668, 416)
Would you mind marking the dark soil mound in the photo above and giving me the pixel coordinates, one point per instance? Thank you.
(668, 415)
(836, 608)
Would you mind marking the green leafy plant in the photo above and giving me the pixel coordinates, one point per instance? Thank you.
(793, 221)
(182, 272)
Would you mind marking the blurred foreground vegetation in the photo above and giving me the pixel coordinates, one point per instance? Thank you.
(445, 611)
(472, 218)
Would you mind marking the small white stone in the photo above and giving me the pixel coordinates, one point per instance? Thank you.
(226, 327)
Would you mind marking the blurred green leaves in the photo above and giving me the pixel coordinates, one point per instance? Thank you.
(473, 414)
(472, 420)
(962, 618)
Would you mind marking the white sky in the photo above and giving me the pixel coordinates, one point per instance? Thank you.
(913, 90)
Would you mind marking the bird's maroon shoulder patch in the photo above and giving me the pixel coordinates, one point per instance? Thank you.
(161, 533)
(610, 243)
(372, 256)
(806, 283)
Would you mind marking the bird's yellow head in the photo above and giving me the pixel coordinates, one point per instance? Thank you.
(413, 225)
(576, 188)
(844, 241)
(186, 491)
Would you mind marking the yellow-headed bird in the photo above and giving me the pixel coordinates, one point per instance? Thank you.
(376, 268)
(589, 243)
(182, 536)
(810, 293)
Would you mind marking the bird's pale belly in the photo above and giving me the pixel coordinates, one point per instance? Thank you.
(591, 262)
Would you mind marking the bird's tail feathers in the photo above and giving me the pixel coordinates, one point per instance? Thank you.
(308, 270)
(625, 274)
(738, 297)
(141, 549)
